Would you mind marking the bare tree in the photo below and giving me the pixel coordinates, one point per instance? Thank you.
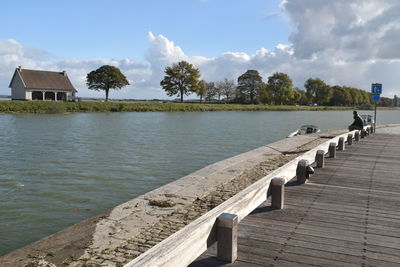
(226, 88)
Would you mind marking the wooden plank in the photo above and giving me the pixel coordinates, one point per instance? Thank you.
(356, 222)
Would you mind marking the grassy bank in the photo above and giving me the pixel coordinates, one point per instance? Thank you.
(68, 107)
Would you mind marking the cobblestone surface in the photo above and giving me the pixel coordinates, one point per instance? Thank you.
(173, 222)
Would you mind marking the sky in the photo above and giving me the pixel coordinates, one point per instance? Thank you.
(344, 42)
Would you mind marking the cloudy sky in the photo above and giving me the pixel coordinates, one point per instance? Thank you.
(344, 42)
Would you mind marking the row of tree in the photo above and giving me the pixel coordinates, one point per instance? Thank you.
(183, 78)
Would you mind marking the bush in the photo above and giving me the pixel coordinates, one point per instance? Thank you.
(61, 107)
(55, 107)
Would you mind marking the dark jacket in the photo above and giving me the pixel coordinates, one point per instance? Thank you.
(358, 122)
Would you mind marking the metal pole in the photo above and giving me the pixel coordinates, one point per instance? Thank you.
(375, 117)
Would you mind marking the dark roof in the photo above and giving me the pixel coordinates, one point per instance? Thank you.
(39, 79)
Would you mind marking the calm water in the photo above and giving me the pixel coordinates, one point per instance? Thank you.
(56, 170)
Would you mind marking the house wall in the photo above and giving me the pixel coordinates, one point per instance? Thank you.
(70, 96)
(28, 95)
(18, 89)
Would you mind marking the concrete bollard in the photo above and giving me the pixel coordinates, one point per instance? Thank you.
(277, 193)
(227, 237)
(332, 150)
(357, 136)
(301, 171)
(349, 139)
(341, 143)
(319, 158)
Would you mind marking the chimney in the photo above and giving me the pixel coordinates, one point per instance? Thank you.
(19, 68)
(64, 73)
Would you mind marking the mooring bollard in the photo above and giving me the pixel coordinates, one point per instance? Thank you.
(332, 150)
(227, 237)
(341, 143)
(363, 134)
(357, 136)
(319, 158)
(277, 193)
(349, 139)
(301, 171)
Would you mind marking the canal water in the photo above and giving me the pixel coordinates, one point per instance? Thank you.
(56, 170)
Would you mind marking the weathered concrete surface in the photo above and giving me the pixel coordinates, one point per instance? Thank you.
(132, 227)
(388, 129)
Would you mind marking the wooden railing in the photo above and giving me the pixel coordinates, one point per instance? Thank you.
(184, 246)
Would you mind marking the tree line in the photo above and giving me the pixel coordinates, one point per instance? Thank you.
(183, 78)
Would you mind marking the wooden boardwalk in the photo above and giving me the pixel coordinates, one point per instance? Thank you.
(348, 214)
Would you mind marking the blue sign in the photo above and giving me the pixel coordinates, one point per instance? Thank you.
(376, 88)
(376, 98)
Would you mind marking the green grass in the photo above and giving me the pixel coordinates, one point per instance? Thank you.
(117, 106)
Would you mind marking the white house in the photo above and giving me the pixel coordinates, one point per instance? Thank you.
(41, 85)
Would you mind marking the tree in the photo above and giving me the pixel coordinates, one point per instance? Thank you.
(347, 98)
(249, 85)
(181, 78)
(318, 91)
(218, 92)
(280, 87)
(338, 97)
(366, 98)
(227, 88)
(105, 78)
(211, 91)
(396, 101)
(385, 102)
(265, 94)
(202, 90)
(356, 96)
(302, 97)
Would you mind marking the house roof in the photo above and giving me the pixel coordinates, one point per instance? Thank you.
(39, 79)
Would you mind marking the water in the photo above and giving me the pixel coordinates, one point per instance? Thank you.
(56, 170)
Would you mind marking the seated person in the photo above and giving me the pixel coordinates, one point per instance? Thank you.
(357, 124)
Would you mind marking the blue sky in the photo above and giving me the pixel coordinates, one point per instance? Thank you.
(344, 42)
(117, 29)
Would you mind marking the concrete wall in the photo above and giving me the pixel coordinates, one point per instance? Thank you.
(70, 96)
(18, 89)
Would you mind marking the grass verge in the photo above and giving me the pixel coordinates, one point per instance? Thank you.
(119, 106)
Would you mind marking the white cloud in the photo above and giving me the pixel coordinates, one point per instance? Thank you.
(345, 42)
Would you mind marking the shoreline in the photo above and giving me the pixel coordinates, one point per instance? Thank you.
(126, 231)
(51, 107)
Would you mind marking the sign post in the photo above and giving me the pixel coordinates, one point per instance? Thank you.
(376, 90)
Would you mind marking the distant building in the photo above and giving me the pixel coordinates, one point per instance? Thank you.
(41, 85)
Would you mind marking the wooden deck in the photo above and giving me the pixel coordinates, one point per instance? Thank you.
(348, 214)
